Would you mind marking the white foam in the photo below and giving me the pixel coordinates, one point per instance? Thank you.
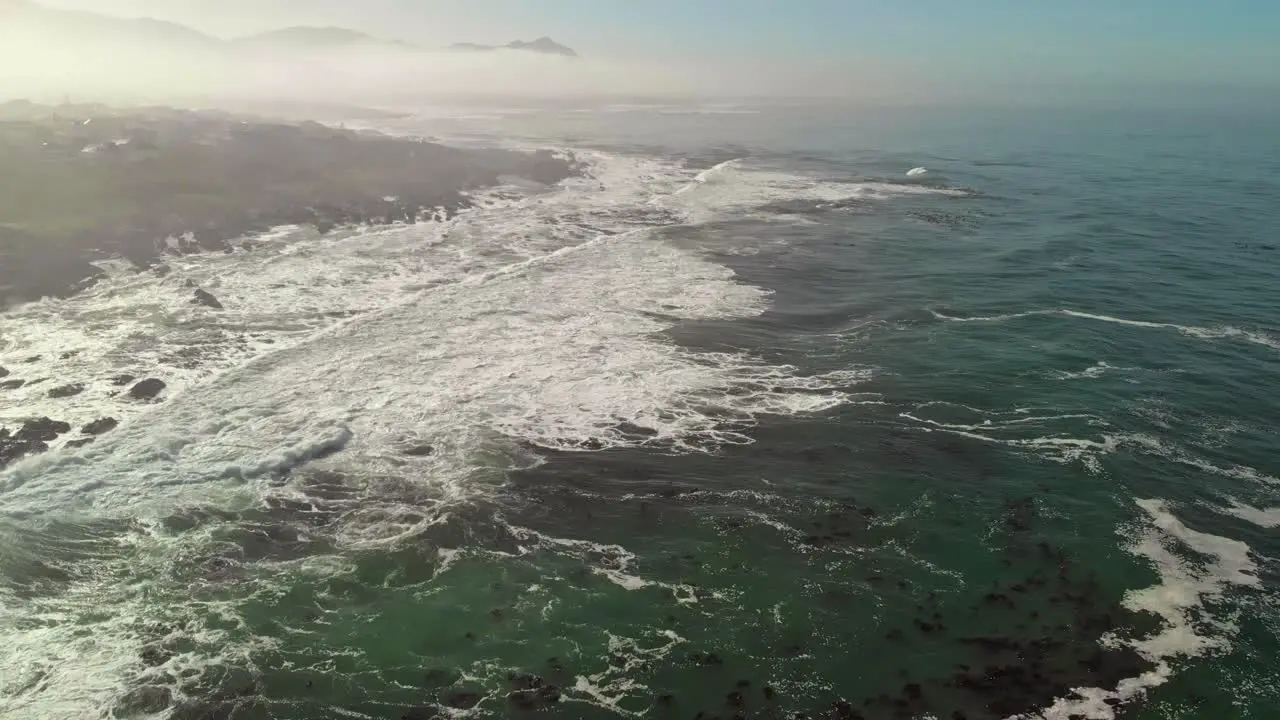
(534, 319)
(1179, 600)
(917, 171)
(612, 562)
(1056, 448)
(1220, 332)
(1094, 371)
(734, 187)
(1262, 517)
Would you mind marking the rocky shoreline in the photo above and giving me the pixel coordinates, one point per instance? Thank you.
(100, 182)
(144, 184)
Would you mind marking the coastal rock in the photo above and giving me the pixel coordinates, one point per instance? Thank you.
(33, 437)
(44, 429)
(51, 253)
(3, 372)
(420, 451)
(100, 426)
(122, 380)
(66, 391)
(205, 298)
(147, 389)
(80, 442)
(12, 384)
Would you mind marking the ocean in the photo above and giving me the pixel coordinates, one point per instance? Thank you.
(778, 411)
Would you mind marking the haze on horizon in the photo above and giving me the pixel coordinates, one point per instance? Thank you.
(857, 50)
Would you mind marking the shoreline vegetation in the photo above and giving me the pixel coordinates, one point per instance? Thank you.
(86, 182)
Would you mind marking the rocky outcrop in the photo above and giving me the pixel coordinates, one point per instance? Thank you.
(34, 437)
(66, 391)
(147, 389)
(12, 384)
(100, 426)
(206, 298)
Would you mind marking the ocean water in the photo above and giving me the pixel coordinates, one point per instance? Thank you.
(776, 412)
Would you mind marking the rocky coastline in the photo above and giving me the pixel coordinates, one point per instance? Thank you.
(96, 183)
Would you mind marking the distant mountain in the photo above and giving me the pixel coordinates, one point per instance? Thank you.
(543, 45)
(315, 38)
(78, 26)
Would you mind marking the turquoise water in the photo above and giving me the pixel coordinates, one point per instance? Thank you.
(997, 439)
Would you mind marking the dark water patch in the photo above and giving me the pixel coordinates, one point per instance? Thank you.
(708, 158)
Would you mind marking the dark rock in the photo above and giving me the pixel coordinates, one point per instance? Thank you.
(146, 700)
(3, 372)
(43, 429)
(420, 451)
(80, 442)
(205, 298)
(33, 437)
(66, 391)
(843, 710)
(524, 681)
(122, 380)
(100, 426)
(420, 713)
(706, 659)
(147, 389)
(12, 384)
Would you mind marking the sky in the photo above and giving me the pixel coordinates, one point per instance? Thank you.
(965, 45)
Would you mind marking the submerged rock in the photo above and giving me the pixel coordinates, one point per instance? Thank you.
(66, 391)
(205, 298)
(146, 700)
(100, 426)
(12, 384)
(147, 389)
(3, 372)
(122, 380)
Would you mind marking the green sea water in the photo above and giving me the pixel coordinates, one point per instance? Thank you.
(993, 440)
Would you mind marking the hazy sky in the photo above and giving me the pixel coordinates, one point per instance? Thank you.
(966, 42)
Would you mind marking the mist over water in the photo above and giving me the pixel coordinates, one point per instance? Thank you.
(52, 54)
(772, 410)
